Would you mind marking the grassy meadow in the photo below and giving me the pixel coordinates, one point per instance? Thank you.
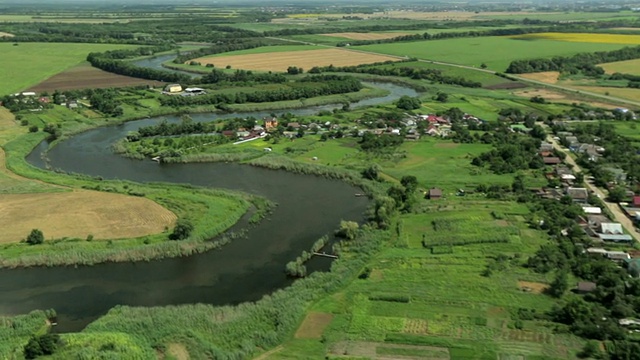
(495, 51)
(583, 37)
(27, 64)
(625, 67)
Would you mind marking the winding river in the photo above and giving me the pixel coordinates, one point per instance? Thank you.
(245, 270)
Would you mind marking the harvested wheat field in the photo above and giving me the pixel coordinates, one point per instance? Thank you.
(5, 34)
(85, 76)
(549, 77)
(534, 287)
(80, 213)
(547, 94)
(368, 36)
(280, 61)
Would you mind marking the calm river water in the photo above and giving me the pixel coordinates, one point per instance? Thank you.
(245, 270)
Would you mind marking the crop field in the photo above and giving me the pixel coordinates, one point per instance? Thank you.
(280, 61)
(85, 76)
(368, 36)
(417, 15)
(625, 67)
(624, 93)
(550, 77)
(627, 129)
(496, 51)
(5, 34)
(30, 63)
(79, 214)
(434, 303)
(583, 37)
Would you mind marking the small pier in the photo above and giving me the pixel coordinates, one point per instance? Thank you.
(324, 254)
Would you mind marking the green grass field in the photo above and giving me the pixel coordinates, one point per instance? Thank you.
(626, 67)
(28, 64)
(496, 51)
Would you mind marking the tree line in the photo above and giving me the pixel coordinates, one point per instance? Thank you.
(579, 63)
(433, 75)
(228, 45)
(309, 88)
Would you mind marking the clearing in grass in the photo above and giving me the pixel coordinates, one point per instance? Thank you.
(27, 64)
(280, 61)
(5, 34)
(550, 77)
(313, 325)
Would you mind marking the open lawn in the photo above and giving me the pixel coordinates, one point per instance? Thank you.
(85, 76)
(495, 51)
(625, 67)
(280, 61)
(627, 129)
(583, 37)
(624, 93)
(30, 63)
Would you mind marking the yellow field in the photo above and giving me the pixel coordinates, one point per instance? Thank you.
(4, 34)
(625, 67)
(80, 213)
(550, 77)
(582, 37)
(280, 61)
(368, 36)
(625, 93)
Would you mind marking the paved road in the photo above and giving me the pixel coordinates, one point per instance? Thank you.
(614, 208)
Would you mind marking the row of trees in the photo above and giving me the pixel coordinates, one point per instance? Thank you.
(583, 62)
(227, 45)
(433, 75)
(293, 91)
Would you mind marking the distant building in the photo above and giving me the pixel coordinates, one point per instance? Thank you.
(173, 88)
(434, 193)
(270, 123)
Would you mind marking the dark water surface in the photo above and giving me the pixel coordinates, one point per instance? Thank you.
(245, 270)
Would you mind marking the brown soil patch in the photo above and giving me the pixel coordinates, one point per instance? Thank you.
(5, 34)
(178, 351)
(85, 76)
(534, 287)
(313, 325)
(507, 86)
(549, 77)
(626, 28)
(368, 36)
(547, 94)
(502, 223)
(280, 61)
(371, 350)
(80, 213)
(376, 274)
(446, 145)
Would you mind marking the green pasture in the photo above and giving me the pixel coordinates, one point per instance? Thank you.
(266, 49)
(625, 67)
(485, 78)
(627, 129)
(444, 164)
(564, 16)
(27, 64)
(495, 51)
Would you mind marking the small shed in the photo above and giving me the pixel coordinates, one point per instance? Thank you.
(173, 88)
(592, 210)
(584, 287)
(434, 193)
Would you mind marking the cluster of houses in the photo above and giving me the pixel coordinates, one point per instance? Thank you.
(595, 224)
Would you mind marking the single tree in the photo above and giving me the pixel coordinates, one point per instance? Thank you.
(35, 237)
(182, 230)
(410, 183)
(560, 284)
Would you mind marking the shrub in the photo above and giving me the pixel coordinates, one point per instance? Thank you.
(35, 237)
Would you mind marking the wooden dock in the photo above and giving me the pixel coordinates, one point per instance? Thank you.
(324, 254)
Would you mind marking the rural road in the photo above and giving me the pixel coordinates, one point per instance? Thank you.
(518, 78)
(614, 208)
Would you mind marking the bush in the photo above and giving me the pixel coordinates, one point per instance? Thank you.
(35, 237)
(33, 128)
(182, 230)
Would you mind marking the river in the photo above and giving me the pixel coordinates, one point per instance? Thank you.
(244, 270)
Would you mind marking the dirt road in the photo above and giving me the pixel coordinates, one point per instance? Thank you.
(614, 208)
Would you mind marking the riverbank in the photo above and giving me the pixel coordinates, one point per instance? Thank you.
(196, 205)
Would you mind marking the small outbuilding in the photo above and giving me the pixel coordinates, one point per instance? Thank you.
(434, 193)
(585, 287)
(173, 88)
